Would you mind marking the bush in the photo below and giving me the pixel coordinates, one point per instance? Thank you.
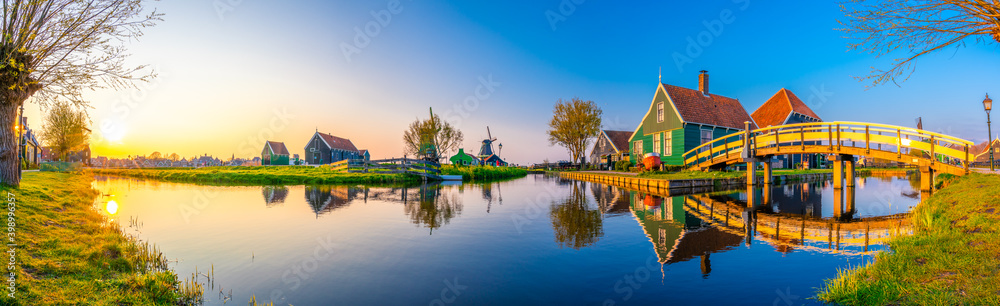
(59, 166)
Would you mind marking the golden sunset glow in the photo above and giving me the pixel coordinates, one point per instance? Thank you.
(111, 207)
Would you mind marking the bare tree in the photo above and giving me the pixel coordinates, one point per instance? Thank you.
(884, 27)
(431, 132)
(574, 124)
(65, 129)
(52, 50)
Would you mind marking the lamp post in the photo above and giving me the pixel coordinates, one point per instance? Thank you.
(988, 104)
(20, 142)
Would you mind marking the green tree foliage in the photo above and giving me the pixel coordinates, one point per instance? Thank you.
(574, 125)
(65, 129)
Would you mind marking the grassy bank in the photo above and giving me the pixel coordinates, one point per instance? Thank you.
(953, 257)
(483, 173)
(67, 254)
(259, 175)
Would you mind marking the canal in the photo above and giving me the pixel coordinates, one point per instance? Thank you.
(535, 240)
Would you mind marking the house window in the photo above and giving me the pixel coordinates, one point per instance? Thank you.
(659, 112)
(638, 149)
(668, 144)
(706, 137)
(656, 143)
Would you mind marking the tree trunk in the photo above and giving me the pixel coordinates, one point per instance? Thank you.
(10, 173)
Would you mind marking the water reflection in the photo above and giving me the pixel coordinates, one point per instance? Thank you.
(431, 208)
(274, 195)
(324, 199)
(576, 224)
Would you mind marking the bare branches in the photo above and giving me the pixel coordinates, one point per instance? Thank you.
(916, 27)
(67, 46)
(574, 124)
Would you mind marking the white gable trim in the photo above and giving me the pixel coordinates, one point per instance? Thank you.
(652, 104)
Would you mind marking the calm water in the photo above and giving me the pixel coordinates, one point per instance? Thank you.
(536, 240)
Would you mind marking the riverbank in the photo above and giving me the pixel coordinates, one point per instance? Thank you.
(473, 173)
(951, 259)
(287, 175)
(68, 254)
(299, 175)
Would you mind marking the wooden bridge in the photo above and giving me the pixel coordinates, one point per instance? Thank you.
(841, 141)
(427, 169)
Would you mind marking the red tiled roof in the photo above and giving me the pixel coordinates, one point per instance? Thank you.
(338, 143)
(778, 107)
(695, 107)
(979, 151)
(278, 147)
(619, 139)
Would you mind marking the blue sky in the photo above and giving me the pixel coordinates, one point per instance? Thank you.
(277, 70)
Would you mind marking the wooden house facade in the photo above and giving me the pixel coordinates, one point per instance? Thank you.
(610, 147)
(681, 119)
(324, 148)
(464, 159)
(274, 153)
(786, 108)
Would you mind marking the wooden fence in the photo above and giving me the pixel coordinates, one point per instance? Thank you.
(392, 165)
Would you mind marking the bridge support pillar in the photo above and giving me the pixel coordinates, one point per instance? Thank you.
(849, 170)
(926, 178)
(751, 171)
(768, 176)
(838, 173)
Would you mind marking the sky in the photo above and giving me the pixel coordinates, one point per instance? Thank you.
(234, 73)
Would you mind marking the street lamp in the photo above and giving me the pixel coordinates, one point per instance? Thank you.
(500, 146)
(988, 104)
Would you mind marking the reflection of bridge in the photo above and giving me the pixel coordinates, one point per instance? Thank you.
(937, 153)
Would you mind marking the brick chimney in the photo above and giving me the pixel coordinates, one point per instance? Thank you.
(703, 82)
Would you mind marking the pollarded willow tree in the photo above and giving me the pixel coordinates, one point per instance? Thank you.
(917, 27)
(431, 136)
(574, 124)
(53, 50)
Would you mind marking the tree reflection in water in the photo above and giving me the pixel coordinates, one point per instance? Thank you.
(576, 225)
(274, 195)
(430, 207)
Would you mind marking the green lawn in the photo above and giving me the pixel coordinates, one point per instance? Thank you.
(68, 254)
(953, 257)
(483, 173)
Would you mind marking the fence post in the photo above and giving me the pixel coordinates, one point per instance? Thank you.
(967, 159)
(829, 130)
(899, 144)
(838, 137)
(868, 145)
(802, 137)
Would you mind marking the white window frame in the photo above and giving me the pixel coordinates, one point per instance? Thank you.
(656, 143)
(668, 143)
(659, 112)
(637, 149)
(703, 140)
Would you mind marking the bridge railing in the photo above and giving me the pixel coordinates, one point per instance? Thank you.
(835, 136)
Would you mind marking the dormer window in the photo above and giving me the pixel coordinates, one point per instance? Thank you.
(659, 112)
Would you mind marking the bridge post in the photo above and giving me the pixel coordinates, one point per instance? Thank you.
(838, 203)
(926, 178)
(768, 177)
(751, 171)
(838, 172)
(848, 170)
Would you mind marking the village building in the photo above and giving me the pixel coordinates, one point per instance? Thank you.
(274, 153)
(364, 154)
(31, 152)
(464, 159)
(981, 152)
(680, 119)
(786, 108)
(610, 147)
(324, 148)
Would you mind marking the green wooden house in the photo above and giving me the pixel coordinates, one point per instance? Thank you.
(680, 119)
(274, 153)
(464, 159)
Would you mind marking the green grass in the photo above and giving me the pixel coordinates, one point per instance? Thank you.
(953, 257)
(259, 175)
(68, 254)
(475, 173)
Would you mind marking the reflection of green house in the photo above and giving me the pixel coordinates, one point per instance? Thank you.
(464, 159)
(274, 153)
(676, 235)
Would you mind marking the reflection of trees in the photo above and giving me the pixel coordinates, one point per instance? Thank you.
(575, 224)
(324, 199)
(430, 207)
(274, 195)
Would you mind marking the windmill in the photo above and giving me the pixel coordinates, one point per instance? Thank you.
(487, 149)
(920, 123)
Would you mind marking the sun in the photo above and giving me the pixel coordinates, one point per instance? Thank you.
(112, 207)
(113, 133)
